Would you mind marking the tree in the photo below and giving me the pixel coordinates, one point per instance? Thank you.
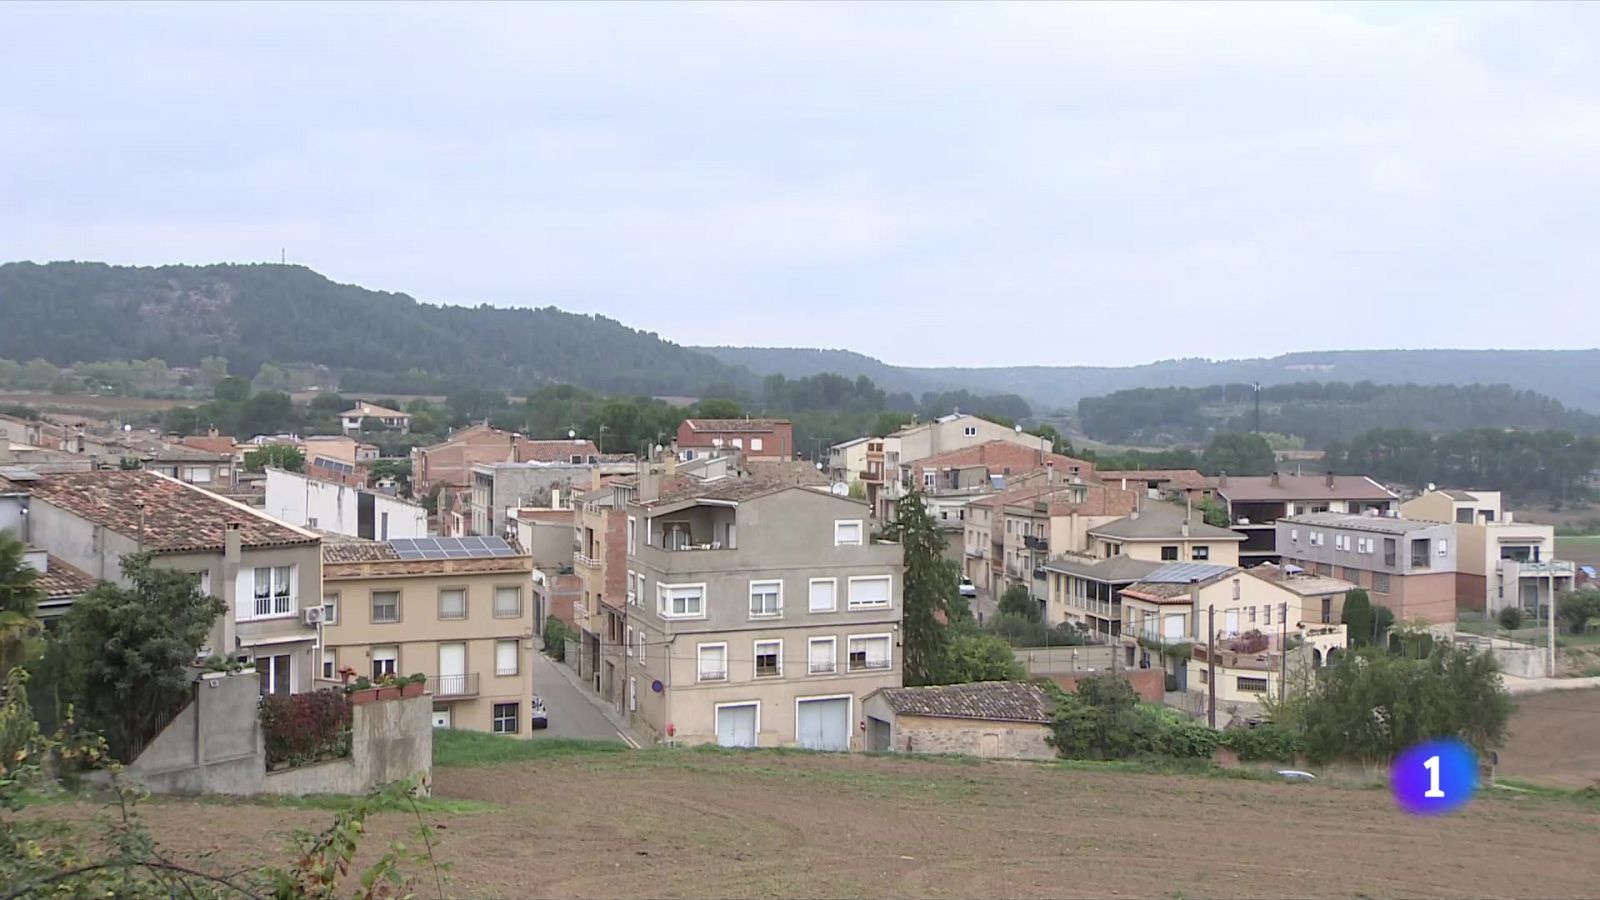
(1238, 454)
(270, 378)
(1357, 617)
(931, 581)
(1215, 513)
(1017, 601)
(1574, 609)
(19, 603)
(212, 370)
(1370, 704)
(719, 408)
(889, 422)
(278, 456)
(976, 656)
(231, 389)
(126, 650)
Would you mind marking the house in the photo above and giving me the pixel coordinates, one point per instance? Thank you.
(208, 469)
(498, 488)
(957, 431)
(1180, 485)
(1250, 667)
(980, 469)
(341, 509)
(59, 584)
(455, 609)
(1163, 532)
(1321, 596)
(339, 459)
(213, 442)
(756, 438)
(353, 418)
(1405, 564)
(761, 611)
(1256, 502)
(450, 461)
(847, 462)
(269, 573)
(1500, 562)
(1087, 591)
(546, 534)
(990, 719)
(601, 562)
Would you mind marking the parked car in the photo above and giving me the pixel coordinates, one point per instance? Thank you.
(538, 719)
(968, 589)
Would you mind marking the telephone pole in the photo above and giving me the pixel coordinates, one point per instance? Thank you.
(1211, 668)
(1283, 652)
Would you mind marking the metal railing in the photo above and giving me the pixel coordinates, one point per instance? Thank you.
(453, 685)
(713, 674)
(585, 561)
(868, 665)
(1033, 542)
(822, 668)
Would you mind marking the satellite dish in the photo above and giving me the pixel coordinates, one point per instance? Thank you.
(840, 489)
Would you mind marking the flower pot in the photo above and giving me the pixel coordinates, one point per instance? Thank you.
(413, 689)
(388, 693)
(365, 695)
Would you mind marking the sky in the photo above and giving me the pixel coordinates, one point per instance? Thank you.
(939, 184)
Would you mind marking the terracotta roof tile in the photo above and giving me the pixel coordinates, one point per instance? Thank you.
(1002, 701)
(355, 550)
(63, 580)
(1248, 488)
(1187, 479)
(734, 424)
(1003, 455)
(177, 516)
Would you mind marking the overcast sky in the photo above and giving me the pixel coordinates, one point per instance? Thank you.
(932, 185)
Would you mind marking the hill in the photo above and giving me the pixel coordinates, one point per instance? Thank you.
(1320, 412)
(70, 312)
(1566, 375)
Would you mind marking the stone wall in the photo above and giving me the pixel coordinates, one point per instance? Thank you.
(992, 740)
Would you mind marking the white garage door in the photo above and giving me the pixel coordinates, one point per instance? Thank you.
(824, 724)
(736, 725)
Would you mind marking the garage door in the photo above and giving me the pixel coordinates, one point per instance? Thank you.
(736, 725)
(824, 724)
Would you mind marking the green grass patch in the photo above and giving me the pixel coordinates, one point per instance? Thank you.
(455, 748)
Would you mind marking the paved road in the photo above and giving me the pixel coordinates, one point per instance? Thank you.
(573, 713)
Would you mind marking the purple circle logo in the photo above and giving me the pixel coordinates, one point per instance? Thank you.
(1434, 777)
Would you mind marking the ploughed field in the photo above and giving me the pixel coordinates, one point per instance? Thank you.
(568, 820)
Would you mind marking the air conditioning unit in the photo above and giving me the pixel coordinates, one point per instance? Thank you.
(312, 615)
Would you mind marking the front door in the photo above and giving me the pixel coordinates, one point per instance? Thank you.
(452, 668)
(736, 725)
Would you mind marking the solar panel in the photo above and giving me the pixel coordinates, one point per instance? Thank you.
(451, 548)
(1183, 573)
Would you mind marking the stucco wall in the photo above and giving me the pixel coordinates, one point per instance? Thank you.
(390, 740)
(987, 739)
(1064, 660)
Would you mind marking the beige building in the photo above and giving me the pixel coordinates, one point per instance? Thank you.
(759, 612)
(455, 609)
(1163, 532)
(268, 573)
(1500, 562)
(989, 719)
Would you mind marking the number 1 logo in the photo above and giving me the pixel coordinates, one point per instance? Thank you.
(1433, 791)
(1434, 777)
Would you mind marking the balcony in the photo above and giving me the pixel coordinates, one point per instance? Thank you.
(453, 685)
(1550, 568)
(977, 552)
(713, 674)
(1036, 543)
(870, 665)
(822, 668)
(585, 562)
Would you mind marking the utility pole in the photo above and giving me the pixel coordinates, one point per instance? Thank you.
(1283, 651)
(1211, 669)
(1257, 386)
(1550, 617)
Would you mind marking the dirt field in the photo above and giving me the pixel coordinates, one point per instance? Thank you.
(1555, 739)
(763, 824)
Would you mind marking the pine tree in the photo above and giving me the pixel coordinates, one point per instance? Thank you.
(19, 603)
(931, 582)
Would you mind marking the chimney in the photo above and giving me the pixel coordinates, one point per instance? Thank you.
(232, 544)
(1222, 479)
(1275, 479)
(1330, 479)
(555, 498)
(649, 482)
(1185, 531)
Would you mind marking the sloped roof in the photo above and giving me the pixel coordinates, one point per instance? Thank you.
(995, 701)
(363, 408)
(1169, 582)
(177, 517)
(355, 550)
(59, 579)
(1162, 521)
(1112, 569)
(1253, 488)
(1458, 495)
(756, 425)
(222, 444)
(998, 455)
(1188, 479)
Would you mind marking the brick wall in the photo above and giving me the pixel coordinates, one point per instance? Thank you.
(995, 740)
(1149, 684)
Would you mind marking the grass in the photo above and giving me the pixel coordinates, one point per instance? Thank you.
(1589, 796)
(456, 748)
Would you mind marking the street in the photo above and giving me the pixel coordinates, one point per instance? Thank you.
(572, 712)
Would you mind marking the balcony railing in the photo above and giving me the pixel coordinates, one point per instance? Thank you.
(822, 668)
(1559, 568)
(453, 685)
(1036, 543)
(977, 552)
(709, 674)
(585, 561)
(870, 665)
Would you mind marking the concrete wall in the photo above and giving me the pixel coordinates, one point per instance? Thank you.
(298, 500)
(1149, 684)
(1065, 660)
(967, 737)
(215, 746)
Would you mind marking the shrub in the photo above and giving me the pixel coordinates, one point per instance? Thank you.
(1020, 631)
(1187, 740)
(1264, 742)
(1576, 608)
(1511, 618)
(1017, 601)
(555, 638)
(303, 728)
(1252, 641)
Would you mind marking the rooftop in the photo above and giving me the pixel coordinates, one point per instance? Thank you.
(1254, 488)
(357, 550)
(1163, 521)
(211, 443)
(1353, 522)
(1304, 585)
(177, 517)
(555, 451)
(1178, 579)
(543, 515)
(59, 579)
(1119, 568)
(1005, 456)
(734, 424)
(363, 408)
(995, 701)
(1459, 495)
(1188, 479)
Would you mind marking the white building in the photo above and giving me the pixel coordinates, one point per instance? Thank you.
(341, 509)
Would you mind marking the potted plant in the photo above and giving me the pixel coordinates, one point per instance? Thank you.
(414, 685)
(389, 688)
(362, 691)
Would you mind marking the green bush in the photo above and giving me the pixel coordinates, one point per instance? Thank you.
(1187, 740)
(1105, 721)
(1020, 631)
(556, 633)
(1575, 608)
(1264, 742)
(1511, 618)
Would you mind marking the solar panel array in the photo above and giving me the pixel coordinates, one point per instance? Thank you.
(451, 548)
(1183, 573)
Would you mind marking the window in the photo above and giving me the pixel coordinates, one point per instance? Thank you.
(1380, 583)
(1315, 538)
(769, 659)
(274, 672)
(385, 606)
(822, 656)
(1172, 626)
(1204, 677)
(197, 475)
(1352, 575)
(1294, 535)
(274, 592)
(505, 718)
(633, 528)
(755, 443)
(824, 594)
(508, 602)
(639, 638)
(871, 592)
(739, 442)
(681, 601)
(639, 600)
(1341, 542)
(1252, 615)
(627, 642)
(1324, 569)
(1169, 553)
(1201, 552)
(847, 533)
(506, 657)
(928, 480)
(1464, 515)
(869, 653)
(1266, 612)
(1252, 685)
(453, 603)
(330, 665)
(385, 660)
(1444, 547)
(330, 608)
(633, 596)
(766, 599)
(970, 431)
(712, 662)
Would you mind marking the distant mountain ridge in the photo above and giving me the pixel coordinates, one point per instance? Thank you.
(1570, 376)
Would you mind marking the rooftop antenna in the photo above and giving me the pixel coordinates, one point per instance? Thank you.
(283, 256)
